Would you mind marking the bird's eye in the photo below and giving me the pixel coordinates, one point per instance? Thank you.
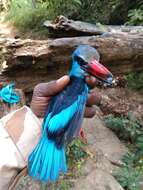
(80, 61)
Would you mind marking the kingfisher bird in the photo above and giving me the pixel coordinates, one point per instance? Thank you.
(64, 115)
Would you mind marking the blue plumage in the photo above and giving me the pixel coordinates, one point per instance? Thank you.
(61, 124)
(63, 119)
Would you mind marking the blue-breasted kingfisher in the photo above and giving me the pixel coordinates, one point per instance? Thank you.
(64, 115)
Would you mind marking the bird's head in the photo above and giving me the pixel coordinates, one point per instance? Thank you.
(85, 60)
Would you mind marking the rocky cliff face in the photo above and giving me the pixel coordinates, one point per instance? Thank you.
(28, 62)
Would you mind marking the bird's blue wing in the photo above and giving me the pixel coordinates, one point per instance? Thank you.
(66, 108)
(76, 121)
(60, 120)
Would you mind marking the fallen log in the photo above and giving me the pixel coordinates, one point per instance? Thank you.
(64, 27)
(28, 62)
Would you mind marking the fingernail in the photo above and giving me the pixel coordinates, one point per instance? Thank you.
(63, 79)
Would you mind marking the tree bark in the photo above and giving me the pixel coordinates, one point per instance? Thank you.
(28, 62)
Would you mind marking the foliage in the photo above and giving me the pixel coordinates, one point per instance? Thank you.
(4, 5)
(60, 185)
(136, 14)
(135, 81)
(130, 174)
(29, 15)
(76, 155)
(95, 11)
(129, 130)
(25, 16)
(89, 10)
(135, 17)
(125, 128)
(64, 7)
(1, 6)
(129, 178)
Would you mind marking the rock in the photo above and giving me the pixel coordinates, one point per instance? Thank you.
(50, 59)
(121, 102)
(26, 183)
(97, 180)
(96, 174)
(103, 139)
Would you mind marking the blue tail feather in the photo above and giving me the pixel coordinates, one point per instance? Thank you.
(63, 167)
(59, 164)
(34, 159)
(47, 161)
(55, 166)
(46, 121)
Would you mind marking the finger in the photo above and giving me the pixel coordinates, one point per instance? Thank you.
(91, 81)
(62, 83)
(89, 112)
(39, 105)
(93, 99)
(51, 88)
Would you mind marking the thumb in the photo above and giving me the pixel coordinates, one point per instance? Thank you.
(62, 83)
(51, 88)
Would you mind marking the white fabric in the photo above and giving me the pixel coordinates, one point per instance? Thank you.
(19, 134)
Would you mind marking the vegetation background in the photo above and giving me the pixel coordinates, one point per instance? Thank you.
(29, 15)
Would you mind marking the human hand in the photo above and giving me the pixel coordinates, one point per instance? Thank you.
(43, 92)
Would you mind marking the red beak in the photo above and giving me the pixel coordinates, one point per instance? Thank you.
(100, 72)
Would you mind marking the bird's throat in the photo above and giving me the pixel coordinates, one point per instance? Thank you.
(76, 71)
